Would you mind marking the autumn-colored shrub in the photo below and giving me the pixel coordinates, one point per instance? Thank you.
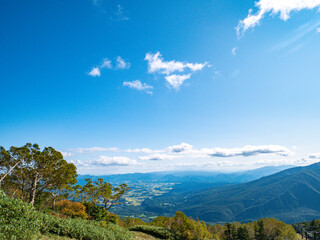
(72, 209)
(188, 229)
(128, 222)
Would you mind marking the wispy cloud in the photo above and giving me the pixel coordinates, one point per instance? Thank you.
(140, 150)
(139, 86)
(159, 157)
(156, 64)
(113, 161)
(234, 51)
(281, 7)
(105, 161)
(314, 155)
(67, 154)
(107, 64)
(186, 155)
(298, 36)
(119, 15)
(175, 81)
(95, 149)
(122, 64)
(248, 151)
(185, 150)
(182, 147)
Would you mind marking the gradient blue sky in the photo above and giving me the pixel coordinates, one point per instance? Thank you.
(264, 94)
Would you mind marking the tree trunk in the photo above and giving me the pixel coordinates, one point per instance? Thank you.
(34, 189)
(8, 173)
(54, 200)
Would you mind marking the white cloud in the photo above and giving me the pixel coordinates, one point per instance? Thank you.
(185, 150)
(183, 147)
(95, 72)
(314, 155)
(282, 7)
(114, 161)
(122, 64)
(175, 81)
(247, 151)
(234, 51)
(67, 154)
(318, 30)
(106, 64)
(140, 150)
(159, 157)
(96, 149)
(78, 163)
(157, 64)
(139, 86)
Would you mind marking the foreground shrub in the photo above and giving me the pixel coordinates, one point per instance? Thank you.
(157, 232)
(82, 229)
(188, 229)
(72, 209)
(162, 221)
(128, 222)
(95, 212)
(18, 220)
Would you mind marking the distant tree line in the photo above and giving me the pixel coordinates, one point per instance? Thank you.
(308, 230)
(186, 228)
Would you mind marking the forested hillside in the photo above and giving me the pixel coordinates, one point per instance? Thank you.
(292, 195)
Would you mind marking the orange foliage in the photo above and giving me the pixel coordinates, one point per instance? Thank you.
(72, 209)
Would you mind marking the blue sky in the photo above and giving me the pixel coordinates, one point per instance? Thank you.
(118, 86)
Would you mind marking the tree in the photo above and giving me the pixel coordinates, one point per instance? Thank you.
(243, 234)
(188, 229)
(60, 184)
(230, 232)
(96, 212)
(90, 191)
(108, 194)
(36, 171)
(260, 231)
(72, 209)
(6, 163)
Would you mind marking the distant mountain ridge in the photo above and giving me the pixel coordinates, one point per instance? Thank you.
(169, 187)
(187, 176)
(291, 195)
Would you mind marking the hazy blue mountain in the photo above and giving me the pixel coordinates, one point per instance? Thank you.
(157, 193)
(292, 195)
(186, 176)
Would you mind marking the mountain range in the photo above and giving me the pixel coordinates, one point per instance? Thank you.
(292, 195)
